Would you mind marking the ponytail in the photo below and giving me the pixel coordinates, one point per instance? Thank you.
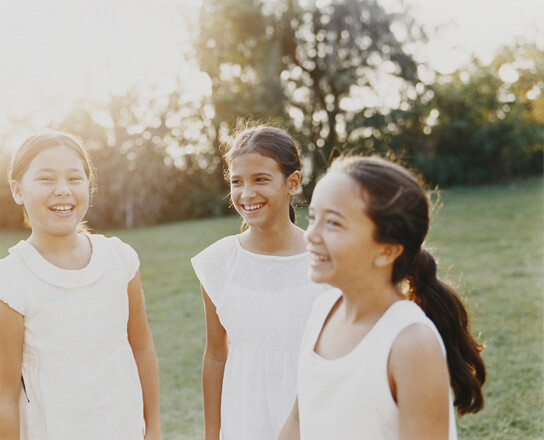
(444, 307)
(399, 208)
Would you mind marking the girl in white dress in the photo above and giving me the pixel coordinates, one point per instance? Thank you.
(256, 292)
(77, 360)
(373, 358)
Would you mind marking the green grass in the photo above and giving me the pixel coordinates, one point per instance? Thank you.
(488, 240)
(493, 238)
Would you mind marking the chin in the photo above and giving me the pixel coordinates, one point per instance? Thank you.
(316, 277)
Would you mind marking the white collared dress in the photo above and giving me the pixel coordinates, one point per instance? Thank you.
(80, 377)
(263, 302)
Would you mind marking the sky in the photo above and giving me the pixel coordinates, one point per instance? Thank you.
(480, 27)
(56, 51)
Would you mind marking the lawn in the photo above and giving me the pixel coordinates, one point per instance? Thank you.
(489, 242)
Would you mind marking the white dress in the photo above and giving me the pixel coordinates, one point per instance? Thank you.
(263, 302)
(80, 377)
(349, 398)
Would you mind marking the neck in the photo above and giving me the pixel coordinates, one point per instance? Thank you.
(369, 299)
(72, 251)
(53, 244)
(287, 240)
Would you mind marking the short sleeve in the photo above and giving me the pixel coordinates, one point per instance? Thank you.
(129, 256)
(9, 292)
(211, 266)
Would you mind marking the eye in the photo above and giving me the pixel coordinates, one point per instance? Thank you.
(333, 223)
(235, 182)
(311, 218)
(45, 179)
(261, 179)
(77, 179)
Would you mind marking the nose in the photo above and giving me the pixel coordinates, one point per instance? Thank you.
(248, 192)
(62, 188)
(311, 235)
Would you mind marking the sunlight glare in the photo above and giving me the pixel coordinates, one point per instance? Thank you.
(58, 51)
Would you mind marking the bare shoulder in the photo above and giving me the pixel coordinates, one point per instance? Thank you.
(419, 382)
(417, 354)
(418, 339)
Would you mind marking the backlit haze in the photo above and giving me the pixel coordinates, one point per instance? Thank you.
(57, 52)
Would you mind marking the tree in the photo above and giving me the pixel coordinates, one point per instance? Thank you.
(311, 66)
(150, 152)
(488, 120)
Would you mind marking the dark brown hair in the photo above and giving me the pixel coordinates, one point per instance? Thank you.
(399, 207)
(269, 141)
(34, 145)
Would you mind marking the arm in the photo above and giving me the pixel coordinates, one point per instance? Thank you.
(213, 367)
(419, 380)
(11, 360)
(291, 429)
(139, 337)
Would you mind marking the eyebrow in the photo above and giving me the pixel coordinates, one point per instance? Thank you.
(51, 170)
(263, 173)
(332, 211)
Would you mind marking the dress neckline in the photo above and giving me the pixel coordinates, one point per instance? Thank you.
(56, 276)
(267, 256)
(363, 342)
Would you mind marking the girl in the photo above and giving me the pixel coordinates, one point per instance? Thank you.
(372, 364)
(76, 356)
(256, 293)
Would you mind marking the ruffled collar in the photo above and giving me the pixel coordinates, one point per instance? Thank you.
(56, 276)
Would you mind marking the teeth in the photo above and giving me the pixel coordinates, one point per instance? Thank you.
(62, 208)
(253, 207)
(319, 258)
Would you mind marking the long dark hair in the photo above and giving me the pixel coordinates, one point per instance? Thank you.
(269, 141)
(399, 207)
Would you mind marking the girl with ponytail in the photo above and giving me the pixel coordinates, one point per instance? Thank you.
(257, 295)
(380, 352)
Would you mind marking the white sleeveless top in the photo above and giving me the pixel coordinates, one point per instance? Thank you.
(263, 302)
(350, 397)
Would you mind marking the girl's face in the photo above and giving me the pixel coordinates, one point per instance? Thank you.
(54, 191)
(340, 235)
(258, 189)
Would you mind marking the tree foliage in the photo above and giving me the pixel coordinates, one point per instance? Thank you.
(315, 68)
(488, 120)
(337, 74)
(153, 159)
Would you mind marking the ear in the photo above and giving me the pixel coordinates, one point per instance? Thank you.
(388, 254)
(16, 191)
(293, 182)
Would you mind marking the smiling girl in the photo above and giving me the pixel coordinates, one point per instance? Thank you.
(77, 360)
(379, 354)
(257, 296)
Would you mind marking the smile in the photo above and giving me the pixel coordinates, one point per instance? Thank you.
(252, 208)
(62, 209)
(317, 258)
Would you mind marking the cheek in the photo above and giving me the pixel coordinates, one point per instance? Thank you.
(345, 253)
(83, 193)
(234, 195)
(32, 196)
